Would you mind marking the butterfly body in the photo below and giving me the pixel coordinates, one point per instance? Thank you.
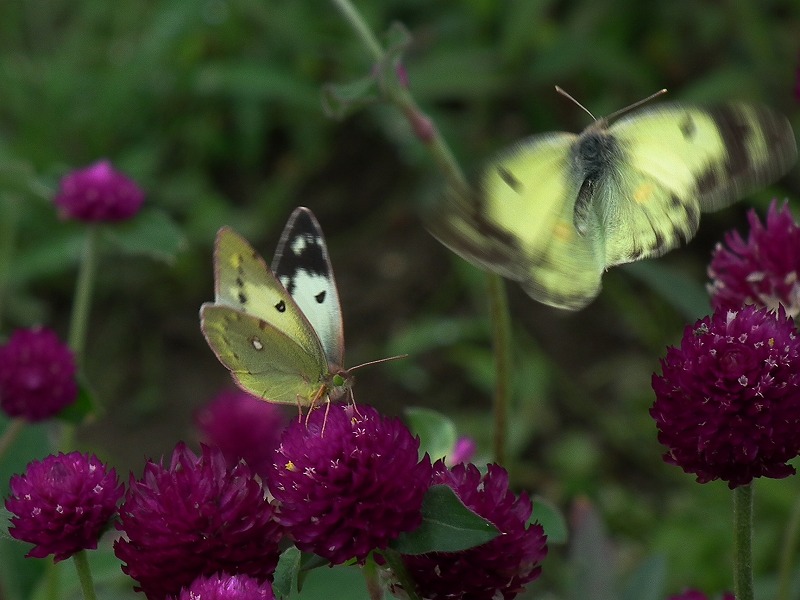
(556, 210)
(278, 331)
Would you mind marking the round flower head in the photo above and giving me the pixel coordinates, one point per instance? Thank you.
(498, 569)
(243, 427)
(226, 587)
(195, 518)
(98, 193)
(348, 481)
(728, 402)
(37, 375)
(63, 504)
(764, 270)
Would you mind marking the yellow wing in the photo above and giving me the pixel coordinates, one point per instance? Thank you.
(243, 281)
(262, 359)
(521, 224)
(676, 161)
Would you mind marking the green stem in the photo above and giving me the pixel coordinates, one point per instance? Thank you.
(398, 567)
(743, 533)
(83, 295)
(81, 563)
(370, 571)
(8, 234)
(427, 132)
(501, 340)
(15, 427)
(787, 553)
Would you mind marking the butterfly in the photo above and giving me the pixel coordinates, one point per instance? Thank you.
(558, 209)
(278, 331)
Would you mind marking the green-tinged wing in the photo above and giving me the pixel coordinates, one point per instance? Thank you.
(521, 224)
(243, 281)
(262, 358)
(676, 161)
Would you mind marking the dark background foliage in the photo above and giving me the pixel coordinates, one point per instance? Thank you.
(215, 108)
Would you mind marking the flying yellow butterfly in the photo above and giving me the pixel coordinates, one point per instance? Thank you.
(558, 209)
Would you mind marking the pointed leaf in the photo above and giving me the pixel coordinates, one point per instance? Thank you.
(286, 572)
(437, 432)
(551, 519)
(447, 526)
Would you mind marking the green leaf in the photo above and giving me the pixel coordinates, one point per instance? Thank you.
(286, 572)
(437, 433)
(83, 407)
(687, 296)
(341, 99)
(447, 526)
(151, 233)
(551, 519)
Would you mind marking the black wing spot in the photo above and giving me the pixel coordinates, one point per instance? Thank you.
(675, 200)
(688, 128)
(707, 182)
(280, 306)
(509, 179)
(320, 298)
(242, 298)
(239, 281)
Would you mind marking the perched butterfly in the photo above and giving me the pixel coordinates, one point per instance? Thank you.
(278, 331)
(558, 209)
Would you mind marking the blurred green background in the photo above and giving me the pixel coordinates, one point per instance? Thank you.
(214, 107)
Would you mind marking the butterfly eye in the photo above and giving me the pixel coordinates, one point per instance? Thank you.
(320, 298)
(281, 306)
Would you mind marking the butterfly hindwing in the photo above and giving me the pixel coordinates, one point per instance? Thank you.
(262, 359)
(303, 267)
(556, 210)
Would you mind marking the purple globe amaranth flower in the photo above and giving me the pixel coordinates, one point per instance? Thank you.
(463, 451)
(500, 568)
(37, 375)
(243, 427)
(226, 587)
(195, 518)
(728, 402)
(763, 270)
(348, 481)
(98, 193)
(63, 504)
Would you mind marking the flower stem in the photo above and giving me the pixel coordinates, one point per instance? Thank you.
(8, 231)
(743, 533)
(787, 553)
(81, 563)
(15, 426)
(395, 562)
(370, 571)
(501, 345)
(426, 131)
(83, 295)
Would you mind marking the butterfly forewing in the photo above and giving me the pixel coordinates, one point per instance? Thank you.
(678, 161)
(244, 282)
(303, 267)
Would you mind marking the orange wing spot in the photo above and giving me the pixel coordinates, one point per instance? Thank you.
(563, 231)
(643, 193)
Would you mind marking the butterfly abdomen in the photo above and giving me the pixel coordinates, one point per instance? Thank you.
(593, 158)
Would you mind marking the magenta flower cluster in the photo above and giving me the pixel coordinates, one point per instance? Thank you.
(98, 193)
(63, 504)
(37, 375)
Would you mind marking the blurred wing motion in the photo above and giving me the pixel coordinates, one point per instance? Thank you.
(281, 341)
(557, 209)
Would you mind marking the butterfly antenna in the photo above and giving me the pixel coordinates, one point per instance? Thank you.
(376, 362)
(622, 111)
(566, 94)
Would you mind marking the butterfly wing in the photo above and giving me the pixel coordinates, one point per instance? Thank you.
(257, 330)
(677, 161)
(243, 282)
(303, 267)
(262, 359)
(521, 223)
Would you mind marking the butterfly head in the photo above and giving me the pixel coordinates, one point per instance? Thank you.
(339, 384)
